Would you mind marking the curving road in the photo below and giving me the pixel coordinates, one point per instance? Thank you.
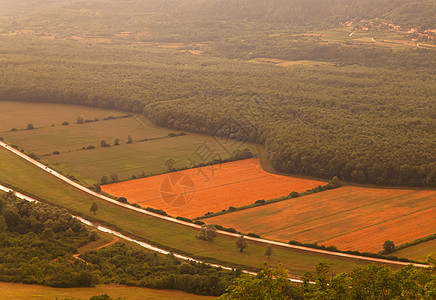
(259, 240)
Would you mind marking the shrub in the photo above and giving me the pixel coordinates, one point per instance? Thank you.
(156, 211)
(294, 194)
(184, 219)
(122, 200)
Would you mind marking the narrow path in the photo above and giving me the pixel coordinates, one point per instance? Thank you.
(259, 240)
(113, 241)
(76, 256)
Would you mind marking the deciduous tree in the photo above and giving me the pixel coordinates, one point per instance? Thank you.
(241, 243)
(94, 207)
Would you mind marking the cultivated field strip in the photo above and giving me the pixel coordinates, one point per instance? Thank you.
(350, 218)
(213, 188)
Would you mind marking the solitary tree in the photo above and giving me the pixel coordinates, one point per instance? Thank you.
(94, 207)
(207, 233)
(117, 142)
(104, 144)
(104, 179)
(268, 251)
(170, 164)
(80, 119)
(129, 140)
(335, 181)
(241, 243)
(30, 126)
(97, 188)
(114, 177)
(389, 246)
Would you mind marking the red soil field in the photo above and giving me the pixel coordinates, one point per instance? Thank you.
(350, 218)
(193, 193)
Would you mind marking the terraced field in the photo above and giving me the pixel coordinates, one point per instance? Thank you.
(193, 193)
(350, 218)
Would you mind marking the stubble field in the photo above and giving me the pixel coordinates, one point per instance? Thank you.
(350, 218)
(193, 193)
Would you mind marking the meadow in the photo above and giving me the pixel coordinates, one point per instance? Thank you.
(350, 218)
(24, 177)
(31, 291)
(209, 189)
(418, 252)
(148, 153)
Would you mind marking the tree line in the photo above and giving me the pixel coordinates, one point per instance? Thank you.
(370, 282)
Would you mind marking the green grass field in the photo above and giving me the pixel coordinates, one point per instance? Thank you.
(29, 179)
(27, 291)
(418, 252)
(150, 149)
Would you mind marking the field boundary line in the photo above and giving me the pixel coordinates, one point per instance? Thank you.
(259, 240)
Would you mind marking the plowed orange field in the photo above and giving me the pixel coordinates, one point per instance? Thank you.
(192, 193)
(350, 218)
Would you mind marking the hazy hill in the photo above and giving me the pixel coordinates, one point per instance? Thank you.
(127, 14)
(19, 7)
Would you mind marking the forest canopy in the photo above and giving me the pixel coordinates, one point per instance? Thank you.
(361, 112)
(368, 121)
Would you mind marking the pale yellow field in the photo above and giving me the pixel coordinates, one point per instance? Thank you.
(27, 291)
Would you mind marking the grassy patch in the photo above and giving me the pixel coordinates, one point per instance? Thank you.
(418, 252)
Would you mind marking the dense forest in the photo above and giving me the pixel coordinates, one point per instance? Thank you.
(371, 282)
(368, 117)
(36, 244)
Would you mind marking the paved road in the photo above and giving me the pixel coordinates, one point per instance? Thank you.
(264, 241)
